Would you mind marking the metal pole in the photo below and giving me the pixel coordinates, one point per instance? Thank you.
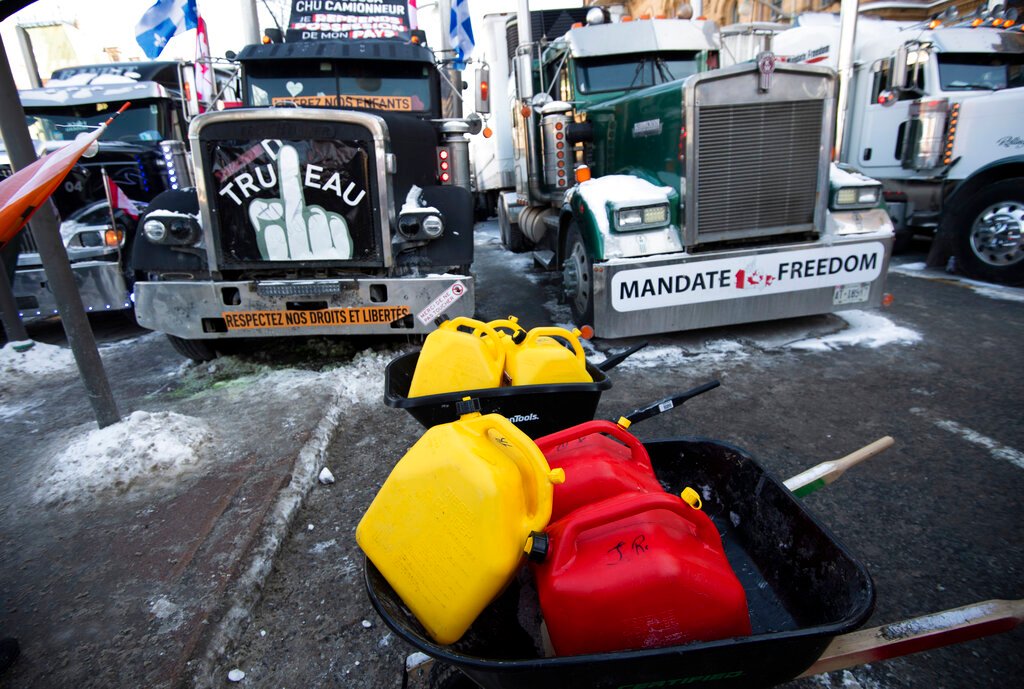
(847, 36)
(31, 66)
(250, 23)
(55, 259)
(451, 88)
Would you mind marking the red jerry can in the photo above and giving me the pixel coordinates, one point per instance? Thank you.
(601, 459)
(639, 570)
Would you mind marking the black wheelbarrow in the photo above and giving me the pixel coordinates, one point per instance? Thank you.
(803, 589)
(535, 409)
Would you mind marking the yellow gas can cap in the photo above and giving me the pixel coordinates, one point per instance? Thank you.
(691, 498)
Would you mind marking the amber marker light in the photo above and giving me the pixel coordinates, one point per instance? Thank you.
(582, 174)
(976, 23)
(488, 132)
(525, 111)
(586, 332)
(113, 237)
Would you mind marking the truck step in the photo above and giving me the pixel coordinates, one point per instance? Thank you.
(545, 260)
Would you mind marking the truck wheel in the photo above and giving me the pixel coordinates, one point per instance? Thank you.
(511, 236)
(578, 277)
(989, 233)
(199, 351)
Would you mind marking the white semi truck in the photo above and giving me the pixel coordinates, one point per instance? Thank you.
(934, 113)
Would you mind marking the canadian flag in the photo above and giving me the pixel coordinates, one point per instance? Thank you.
(119, 201)
(205, 87)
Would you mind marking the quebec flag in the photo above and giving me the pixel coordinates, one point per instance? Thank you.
(460, 29)
(163, 20)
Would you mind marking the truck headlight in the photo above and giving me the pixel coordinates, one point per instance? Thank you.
(420, 224)
(155, 231)
(641, 218)
(847, 198)
(432, 226)
(178, 229)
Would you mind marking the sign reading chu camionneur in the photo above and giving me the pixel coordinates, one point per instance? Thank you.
(323, 19)
(745, 276)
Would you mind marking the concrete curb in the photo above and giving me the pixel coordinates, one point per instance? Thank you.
(246, 592)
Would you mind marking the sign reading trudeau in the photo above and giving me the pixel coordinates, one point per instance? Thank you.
(745, 276)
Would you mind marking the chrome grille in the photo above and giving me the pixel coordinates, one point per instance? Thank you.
(757, 167)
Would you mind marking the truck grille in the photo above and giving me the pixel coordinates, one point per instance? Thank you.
(757, 167)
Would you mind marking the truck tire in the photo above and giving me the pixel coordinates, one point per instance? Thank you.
(512, 237)
(988, 233)
(578, 277)
(199, 351)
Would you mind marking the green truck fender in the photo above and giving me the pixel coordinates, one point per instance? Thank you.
(591, 206)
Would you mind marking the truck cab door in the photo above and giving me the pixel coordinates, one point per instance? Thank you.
(883, 128)
(887, 112)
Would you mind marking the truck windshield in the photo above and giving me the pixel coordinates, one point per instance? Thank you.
(633, 71)
(988, 71)
(140, 122)
(377, 86)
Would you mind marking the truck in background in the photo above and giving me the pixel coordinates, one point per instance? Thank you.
(492, 161)
(142, 153)
(934, 113)
(712, 200)
(336, 202)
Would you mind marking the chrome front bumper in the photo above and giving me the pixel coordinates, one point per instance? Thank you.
(355, 306)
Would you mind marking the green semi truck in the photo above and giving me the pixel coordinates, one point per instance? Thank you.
(711, 199)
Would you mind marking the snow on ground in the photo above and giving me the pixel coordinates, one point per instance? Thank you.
(362, 379)
(144, 446)
(985, 289)
(40, 359)
(43, 359)
(865, 330)
(711, 353)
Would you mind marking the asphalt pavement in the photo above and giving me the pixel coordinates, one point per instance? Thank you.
(172, 584)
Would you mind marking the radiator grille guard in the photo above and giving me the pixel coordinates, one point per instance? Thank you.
(758, 159)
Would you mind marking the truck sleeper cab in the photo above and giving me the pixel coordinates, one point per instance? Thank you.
(321, 208)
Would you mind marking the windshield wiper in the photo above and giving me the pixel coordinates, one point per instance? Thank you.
(663, 71)
(636, 74)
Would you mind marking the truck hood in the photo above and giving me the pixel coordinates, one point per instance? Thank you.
(988, 130)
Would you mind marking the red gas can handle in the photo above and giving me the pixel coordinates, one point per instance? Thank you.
(563, 546)
(638, 453)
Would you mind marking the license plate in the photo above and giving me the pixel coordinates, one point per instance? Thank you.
(851, 294)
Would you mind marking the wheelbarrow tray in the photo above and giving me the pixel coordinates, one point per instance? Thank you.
(803, 588)
(535, 409)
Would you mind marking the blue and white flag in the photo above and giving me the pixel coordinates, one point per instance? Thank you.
(460, 29)
(163, 20)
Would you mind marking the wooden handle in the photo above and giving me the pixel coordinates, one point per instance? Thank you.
(919, 634)
(825, 473)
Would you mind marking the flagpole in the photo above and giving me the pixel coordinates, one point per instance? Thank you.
(110, 198)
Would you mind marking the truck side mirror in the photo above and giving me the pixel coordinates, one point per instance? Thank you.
(483, 91)
(899, 68)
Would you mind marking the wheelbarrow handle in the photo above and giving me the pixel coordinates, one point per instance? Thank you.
(669, 402)
(821, 475)
(919, 634)
(616, 359)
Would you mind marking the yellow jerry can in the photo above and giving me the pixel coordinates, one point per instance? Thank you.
(542, 358)
(462, 354)
(450, 524)
(510, 330)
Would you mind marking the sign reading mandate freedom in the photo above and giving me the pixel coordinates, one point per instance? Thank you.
(324, 19)
(745, 276)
